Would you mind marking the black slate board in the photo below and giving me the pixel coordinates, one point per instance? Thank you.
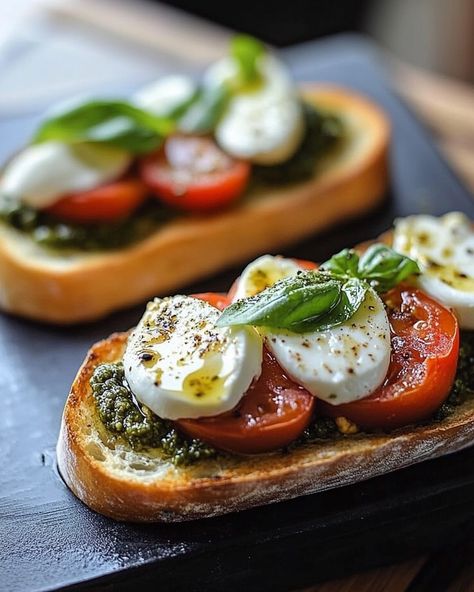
(50, 541)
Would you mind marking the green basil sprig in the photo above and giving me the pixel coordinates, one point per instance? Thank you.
(309, 301)
(296, 299)
(211, 101)
(352, 295)
(246, 50)
(319, 300)
(115, 123)
(380, 266)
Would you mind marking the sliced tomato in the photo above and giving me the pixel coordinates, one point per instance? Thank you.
(307, 265)
(425, 346)
(273, 413)
(106, 203)
(220, 301)
(193, 173)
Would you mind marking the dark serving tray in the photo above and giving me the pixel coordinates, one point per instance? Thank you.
(50, 541)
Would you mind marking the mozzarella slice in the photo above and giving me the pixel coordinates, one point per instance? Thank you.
(342, 364)
(264, 125)
(43, 173)
(444, 250)
(263, 273)
(166, 94)
(180, 365)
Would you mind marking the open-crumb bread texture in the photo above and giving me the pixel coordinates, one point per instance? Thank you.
(142, 486)
(67, 288)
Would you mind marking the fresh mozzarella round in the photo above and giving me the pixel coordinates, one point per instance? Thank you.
(264, 125)
(166, 94)
(444, 250)
(180, 365)
(263, 273)
(342, 364)
(43, 173)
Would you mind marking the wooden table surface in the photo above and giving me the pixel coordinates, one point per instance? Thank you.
(446, 106)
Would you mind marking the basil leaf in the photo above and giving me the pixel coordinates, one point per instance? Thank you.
(204, 112)
(287, 303)
(310, 301)
(116, 123)
(319, 300)
(352, 296)
(343, 264)
(211, 101)
(246, 50)
(179, 109)
(384, 268)
(380, 265)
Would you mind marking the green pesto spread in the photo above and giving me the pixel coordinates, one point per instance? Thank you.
(124, 416)
(48, 231)
(324, 131)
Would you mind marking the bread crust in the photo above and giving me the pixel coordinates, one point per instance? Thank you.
(71, 288)
(211, 488)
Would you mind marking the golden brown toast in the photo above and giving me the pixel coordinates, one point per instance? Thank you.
(141, 486)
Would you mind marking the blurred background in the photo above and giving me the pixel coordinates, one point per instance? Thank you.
(51, 49)
(435, 34)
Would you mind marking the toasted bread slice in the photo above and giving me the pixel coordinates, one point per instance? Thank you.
(141, 486)
(67, 288)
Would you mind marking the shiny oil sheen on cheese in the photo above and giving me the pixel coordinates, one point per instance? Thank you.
(180, 365)
(340, 365)
(444, 249)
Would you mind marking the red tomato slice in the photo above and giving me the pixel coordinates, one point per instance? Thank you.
(193, 173)
(425, 346)
(220, 301)
(273, 412)
(306, 265)
(103, 204)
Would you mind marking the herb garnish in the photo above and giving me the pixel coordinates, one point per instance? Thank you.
(206, 109)
(212, 99)
(319, 300)
(246, 51)
(111, 122)
(382, 267)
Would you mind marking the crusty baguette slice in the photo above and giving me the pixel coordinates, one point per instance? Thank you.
(69, 288)
(113, 480)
